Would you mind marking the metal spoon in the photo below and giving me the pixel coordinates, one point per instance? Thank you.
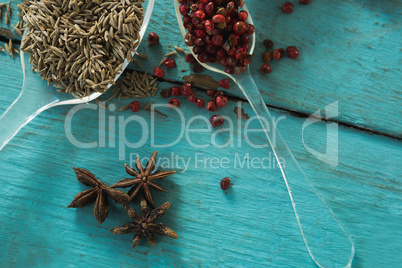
(36, 96)
(327, 242)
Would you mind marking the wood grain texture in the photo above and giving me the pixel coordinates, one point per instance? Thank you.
(348, 54)
(252, 225)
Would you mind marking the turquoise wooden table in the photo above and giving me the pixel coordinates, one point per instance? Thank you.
(350, 59)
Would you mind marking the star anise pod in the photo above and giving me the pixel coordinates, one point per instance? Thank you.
(143, 179)
(144, 225)
(98, 193)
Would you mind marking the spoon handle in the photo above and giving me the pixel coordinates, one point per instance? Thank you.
(25, 108)
(326, 240)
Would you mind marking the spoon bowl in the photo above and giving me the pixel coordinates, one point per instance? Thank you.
(37, 96)
(327, 242)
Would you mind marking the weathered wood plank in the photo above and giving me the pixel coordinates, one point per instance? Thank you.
(252, 225)
(348, 54)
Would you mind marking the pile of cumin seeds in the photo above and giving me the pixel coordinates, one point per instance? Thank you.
(135, 85)
(81, 45)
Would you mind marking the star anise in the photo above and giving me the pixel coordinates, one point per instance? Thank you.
(98, 193)
(144, 225)
(143, 179)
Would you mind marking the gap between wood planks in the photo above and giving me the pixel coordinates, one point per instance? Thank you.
(287, 110)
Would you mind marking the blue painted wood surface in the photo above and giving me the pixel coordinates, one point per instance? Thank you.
(253, 224)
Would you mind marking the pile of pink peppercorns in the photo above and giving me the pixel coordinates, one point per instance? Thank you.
(217, 99)
(218, 32)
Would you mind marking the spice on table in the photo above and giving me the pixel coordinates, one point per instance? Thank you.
(1, 49)
(143, 225)
(265, 68)
(170, 63)
(170, 54)
(175, 91)
(190, 58)
(153, 39)
(7, 19)
(221, 101)
(141, 55)
(216, 120)
(139, 64)
(287, 8)
(9, 48)
(225, 183)
(174, 103)
(143, 179)
(125, 107)
(211, 106)
(269, 44)
(135, 84)
(148, 106)
(210, 92)
(159, 72)
(277, 54)
(200, 103)
(240, 113)
(292, 52)
(192, 97)
(304, 2)
(165, 93)
(224, 83)
(266, 57)
(197, 68)
(135, 106)
(186, 89)
(179, 49)
(99, 194)
(202, 81)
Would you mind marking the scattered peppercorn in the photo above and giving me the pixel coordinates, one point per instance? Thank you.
(174, 103)
(175, 91)
(216, 120)
(170, 63)
(304, 2)
(224, 83)
(153, 39)
(210, 92)
(266, 57)
(186, 89)
(283, 52)
(293, 52)
(211, 106)
(221, 101)
(189, 58)
(165, 93)
(192, 98)
(269, 44)
(219, 93)
(197, 68)
(135, 106)
(287, 8)
(200, 103)
(265, 68)
(278, 53)
(159, 72)
(225, 183)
